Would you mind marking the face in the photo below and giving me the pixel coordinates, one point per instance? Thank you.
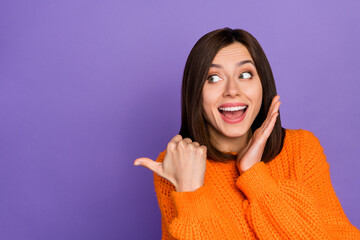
(232, 93)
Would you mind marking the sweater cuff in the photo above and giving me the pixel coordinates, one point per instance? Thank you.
(256, 182)
(193, 203)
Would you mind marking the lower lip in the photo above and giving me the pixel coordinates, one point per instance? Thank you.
(232, 121)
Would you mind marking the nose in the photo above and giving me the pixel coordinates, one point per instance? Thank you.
(232, 88)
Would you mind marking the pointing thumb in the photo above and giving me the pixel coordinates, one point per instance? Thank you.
(148, 163)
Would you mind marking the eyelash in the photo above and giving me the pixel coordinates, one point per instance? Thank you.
(251, 75)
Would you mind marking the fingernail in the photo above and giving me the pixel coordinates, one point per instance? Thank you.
(137, 163)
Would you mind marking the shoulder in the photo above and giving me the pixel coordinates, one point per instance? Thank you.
(303, 138)
(303, 143)
(307, 146)
(299, 133)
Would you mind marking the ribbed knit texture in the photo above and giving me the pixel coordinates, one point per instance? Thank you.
(290, 197)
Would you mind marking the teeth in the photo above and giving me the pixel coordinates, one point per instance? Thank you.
(232, 108)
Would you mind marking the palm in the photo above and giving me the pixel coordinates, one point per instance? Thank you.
(252, 153)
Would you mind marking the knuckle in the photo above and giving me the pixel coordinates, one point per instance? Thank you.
(176, 138)
(171, 145)
(181, 144)
(191, 147)
(201, 149)
(179, 136)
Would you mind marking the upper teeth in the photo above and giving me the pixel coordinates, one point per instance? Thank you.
(232, 108)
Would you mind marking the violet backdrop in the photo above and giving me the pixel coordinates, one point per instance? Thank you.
(86, 87)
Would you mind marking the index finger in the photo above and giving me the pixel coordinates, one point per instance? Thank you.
(272, 105)
(176, 138)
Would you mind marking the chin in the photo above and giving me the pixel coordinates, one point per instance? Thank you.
(234, 134)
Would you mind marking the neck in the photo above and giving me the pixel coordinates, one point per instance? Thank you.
(229, 144)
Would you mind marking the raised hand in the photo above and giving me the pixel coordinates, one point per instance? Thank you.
(184, 164)
(252, 153)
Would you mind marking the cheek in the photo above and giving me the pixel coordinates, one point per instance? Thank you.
(254, 93)
(254, 88)
(257, 96)
(209, 102)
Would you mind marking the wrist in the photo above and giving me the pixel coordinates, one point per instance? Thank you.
(189, 187)
(243, 168)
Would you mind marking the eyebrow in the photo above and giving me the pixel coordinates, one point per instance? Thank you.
(237, 64)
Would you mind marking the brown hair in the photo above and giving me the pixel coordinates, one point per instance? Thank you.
(193, 123)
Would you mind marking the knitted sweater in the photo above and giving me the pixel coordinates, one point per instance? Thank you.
(291, 197)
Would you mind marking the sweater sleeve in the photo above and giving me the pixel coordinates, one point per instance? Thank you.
(304, 209)
(191, 215)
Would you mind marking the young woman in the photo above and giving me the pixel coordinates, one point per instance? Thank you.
(233, 172)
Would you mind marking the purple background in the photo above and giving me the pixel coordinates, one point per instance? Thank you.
(86, 87)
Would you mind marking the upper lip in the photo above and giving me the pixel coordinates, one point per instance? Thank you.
(232, 105)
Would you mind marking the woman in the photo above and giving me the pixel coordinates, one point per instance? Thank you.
(233, 172)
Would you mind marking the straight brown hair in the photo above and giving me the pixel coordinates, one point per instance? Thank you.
(193, 123)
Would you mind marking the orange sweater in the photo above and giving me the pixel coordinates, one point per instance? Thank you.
(290, 197)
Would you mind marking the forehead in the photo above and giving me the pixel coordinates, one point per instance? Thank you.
(234, 52)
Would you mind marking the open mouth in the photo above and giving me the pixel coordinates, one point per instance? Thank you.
(233, 112)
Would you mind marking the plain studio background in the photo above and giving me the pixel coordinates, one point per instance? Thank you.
(86, 87)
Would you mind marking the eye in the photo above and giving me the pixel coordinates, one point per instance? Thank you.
(213, 78)
(246, 75)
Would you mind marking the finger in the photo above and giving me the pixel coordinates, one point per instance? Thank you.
(273, 107)
(196, 144)
(273, 104)
(271, 125)
(176, 138)
(269, 118)
(276, 98)
(204, 148)
(187, 140)
(173, 142)
(263, 128)
(150, 164)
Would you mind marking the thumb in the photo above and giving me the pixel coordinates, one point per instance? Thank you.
(148, 163)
